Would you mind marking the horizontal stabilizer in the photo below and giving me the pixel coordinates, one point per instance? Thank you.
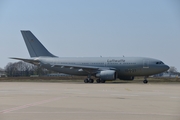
(32, 61)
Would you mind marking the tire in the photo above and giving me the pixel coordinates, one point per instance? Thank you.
(98, 81)
(103, 81)
(86, 81)
(145, 81)
(91, 81)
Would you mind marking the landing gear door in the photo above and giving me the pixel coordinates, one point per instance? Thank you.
(145, 64)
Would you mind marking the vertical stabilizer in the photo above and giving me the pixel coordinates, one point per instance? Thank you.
(34, 46)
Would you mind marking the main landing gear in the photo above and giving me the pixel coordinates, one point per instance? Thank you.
(145, 81)
(89, 80)
(100, 81)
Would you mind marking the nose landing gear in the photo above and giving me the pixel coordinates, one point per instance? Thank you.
(145, 81)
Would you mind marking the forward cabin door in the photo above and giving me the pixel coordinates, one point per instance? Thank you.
(145, 64)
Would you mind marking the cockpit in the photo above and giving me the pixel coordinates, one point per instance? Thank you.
(160, 62)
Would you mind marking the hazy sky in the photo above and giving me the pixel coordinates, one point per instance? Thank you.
(93, 28)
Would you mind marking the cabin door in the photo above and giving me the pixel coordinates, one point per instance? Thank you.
(145, 64)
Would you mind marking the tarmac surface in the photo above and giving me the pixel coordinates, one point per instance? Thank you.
(79, 101)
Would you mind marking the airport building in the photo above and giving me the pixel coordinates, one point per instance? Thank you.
(2, 73)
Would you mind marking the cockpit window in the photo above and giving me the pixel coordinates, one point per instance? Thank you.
(159, 62)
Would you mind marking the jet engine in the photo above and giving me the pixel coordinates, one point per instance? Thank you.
(126, 77)
(107, 75)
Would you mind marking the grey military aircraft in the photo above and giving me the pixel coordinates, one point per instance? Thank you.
(103, 68)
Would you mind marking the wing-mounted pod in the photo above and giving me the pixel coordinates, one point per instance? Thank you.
(107, 75)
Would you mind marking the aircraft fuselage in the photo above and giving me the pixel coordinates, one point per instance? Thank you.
(124, 66)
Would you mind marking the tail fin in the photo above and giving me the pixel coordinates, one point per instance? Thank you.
(34, 46)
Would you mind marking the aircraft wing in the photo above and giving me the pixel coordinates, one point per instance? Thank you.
(89, 69)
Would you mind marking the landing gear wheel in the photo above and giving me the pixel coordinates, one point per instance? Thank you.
(103, 81)
(98, 81)
(86, 80)
(145, 81)
(91, 81)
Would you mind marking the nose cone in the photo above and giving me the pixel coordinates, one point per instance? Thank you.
(161, 68)
(166, 67)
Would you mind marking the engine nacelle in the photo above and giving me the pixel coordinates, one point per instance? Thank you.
(126, 77)
(107, 75)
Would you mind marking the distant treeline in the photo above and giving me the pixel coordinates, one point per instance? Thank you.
(21, 68)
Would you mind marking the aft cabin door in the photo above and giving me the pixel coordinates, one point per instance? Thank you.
(145, 64)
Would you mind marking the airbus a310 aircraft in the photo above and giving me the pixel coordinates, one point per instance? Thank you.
(103, 68)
